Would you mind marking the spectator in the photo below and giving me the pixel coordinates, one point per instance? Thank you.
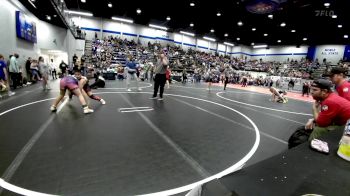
(99, 82)
(4, 76)
(330, 111)
(338, 77)
(28, 62)
(75, 58)
(53, 70)
(291, 84)
(306, 89)
(63, 67)
(14, 70)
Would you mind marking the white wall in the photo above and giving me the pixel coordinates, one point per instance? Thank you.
(333, 53)
(221, 49)
(74, 46)
(46, 34)
(280, 54)
(89, 22)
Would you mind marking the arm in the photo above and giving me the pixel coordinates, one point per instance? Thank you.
(316, 109)
(6, 74)
(327, 114)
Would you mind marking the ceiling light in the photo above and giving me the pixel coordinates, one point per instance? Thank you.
(218, 14)
(226, 35)
(110, 4)
(266, 34)
(209, 38)
(326, 4)
(229, 44)
(138, 11)
(55, 15)
(83, 1)
(192, 4)
(334, 16)
(191, 25)
(212, 30)
(270, 16)
(32, 3)
(168, 18)
(240, 23)
(238, 38)
(62, 1)
(346, 36)
(253, 29)
(187, 33)
(304, 39)
(260, 46)
(293, 31)
(279, 41)
(48, 17)
(122, 20)
(158, 27)
(253, 44)
(340, 26)
(283, 24)
(78, 13)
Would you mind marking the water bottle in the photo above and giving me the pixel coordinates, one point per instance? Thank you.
(344, 144)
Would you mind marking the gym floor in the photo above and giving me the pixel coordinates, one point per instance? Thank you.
(134, 145)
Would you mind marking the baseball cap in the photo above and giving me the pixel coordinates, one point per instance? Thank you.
(338, 70)
(322, 84)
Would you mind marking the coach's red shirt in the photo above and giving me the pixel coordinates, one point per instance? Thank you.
(344, 90)
(335, 110)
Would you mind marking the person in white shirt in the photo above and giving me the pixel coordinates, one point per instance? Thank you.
(53, 70)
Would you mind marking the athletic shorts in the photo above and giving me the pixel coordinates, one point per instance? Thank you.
(86, 87)
(69, 83)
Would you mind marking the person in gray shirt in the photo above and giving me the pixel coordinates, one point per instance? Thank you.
(160, 77)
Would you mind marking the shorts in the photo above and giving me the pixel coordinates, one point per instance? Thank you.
(86, 87)
(68, 83)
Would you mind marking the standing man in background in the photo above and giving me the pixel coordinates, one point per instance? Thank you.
(53, 70)
(160, 77)
(14, 70)
(63, 67)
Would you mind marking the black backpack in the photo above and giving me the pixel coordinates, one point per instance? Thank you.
(298, 137)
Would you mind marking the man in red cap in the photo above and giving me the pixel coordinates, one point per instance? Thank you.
(330, 111)
(338, 77)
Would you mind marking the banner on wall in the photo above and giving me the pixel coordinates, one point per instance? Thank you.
(330, 51)
(25, 29)
(347, 53)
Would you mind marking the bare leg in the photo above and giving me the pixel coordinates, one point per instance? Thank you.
(78, 93)
(59, 98)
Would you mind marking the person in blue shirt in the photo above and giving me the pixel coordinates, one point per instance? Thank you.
(131, 68)
(4, 79)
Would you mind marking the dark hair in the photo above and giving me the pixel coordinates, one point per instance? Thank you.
(323, 84)
(76, 70)
(1, 56)
(40, 58)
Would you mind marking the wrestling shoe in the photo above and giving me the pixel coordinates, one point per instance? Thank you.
(87, 110)
(103, 102)
(53, 108)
